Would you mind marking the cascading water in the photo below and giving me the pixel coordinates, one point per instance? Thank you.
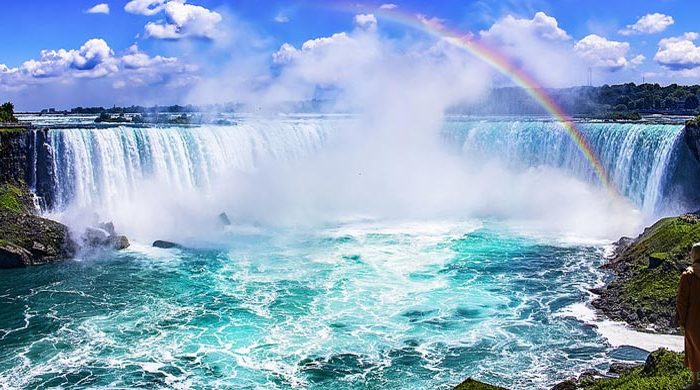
(636, 156)
(98, 167)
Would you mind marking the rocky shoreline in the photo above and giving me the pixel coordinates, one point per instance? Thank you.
(27, 239)
(646, 271)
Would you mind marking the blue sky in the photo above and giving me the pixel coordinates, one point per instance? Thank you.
(160, 51)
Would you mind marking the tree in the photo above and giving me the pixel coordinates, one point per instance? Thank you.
(691, 102)
(7, 113)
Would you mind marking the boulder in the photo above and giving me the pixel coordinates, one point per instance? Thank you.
(120, 242)
(104, 237)
(224, 220)
(166, 244)
(569, 384)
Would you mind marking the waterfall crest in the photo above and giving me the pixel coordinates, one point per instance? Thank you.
(99, 167)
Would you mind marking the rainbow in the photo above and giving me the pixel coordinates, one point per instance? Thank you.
(503, 65)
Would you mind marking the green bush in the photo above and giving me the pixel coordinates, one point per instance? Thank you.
(7, 113)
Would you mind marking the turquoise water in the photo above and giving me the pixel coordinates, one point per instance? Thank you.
(365, 305)
(441, 276)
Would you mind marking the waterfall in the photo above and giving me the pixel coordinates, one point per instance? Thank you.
(636, 156)
(99, 167)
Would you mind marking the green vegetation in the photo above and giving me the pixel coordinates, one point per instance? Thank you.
(471, 384)
(648, 272)
(663, 370)
(668, 242)
(11, 199)
(695, 122)
(625, 101)
(7, 113)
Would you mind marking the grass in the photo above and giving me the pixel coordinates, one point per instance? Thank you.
(667, 241)
(10, 198)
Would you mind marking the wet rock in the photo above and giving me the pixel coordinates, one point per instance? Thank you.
(589, 377)
(108, 227)
(661, 370)
(224, 220)
(26, 238)
(14, 256)
(166, 244)
(104, 237)
(95, 237)
(120, 242)
(618, 368)
(473, 384)
(569, 384)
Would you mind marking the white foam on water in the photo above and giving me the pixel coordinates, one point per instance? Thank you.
(620, 334)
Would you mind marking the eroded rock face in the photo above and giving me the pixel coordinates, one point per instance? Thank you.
(691, 135)
(26, 157)
(13, 256)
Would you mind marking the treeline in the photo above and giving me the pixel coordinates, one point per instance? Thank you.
(623, 101)
(608, 100)
(314, 105)
(174, 109)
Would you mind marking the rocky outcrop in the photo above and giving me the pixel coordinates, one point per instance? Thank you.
(104, 237)
(647, 271)
(662, 370)
(25, 238)
(473, 384)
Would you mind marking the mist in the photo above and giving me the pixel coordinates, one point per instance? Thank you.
(387, 162)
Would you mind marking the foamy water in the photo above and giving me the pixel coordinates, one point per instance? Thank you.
(417, 304)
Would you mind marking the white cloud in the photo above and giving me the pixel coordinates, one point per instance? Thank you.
(184, 20)
(538, 45)
(648, 24)
(94, 60)
(603, 53)
(511, 29)
(679, 53)
(102, 8)
(366, 22)
(135, 59)
(281, 18)
(287, 52)
(145, 7)
(388, 6)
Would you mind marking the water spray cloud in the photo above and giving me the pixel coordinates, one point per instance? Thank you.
(505, 66)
